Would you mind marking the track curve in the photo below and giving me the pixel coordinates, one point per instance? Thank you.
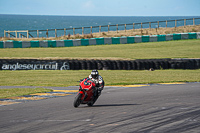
(153, 108)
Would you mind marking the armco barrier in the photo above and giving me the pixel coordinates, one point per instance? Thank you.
(26, 44)
(192, 35)
(146, 64)
(1, 45)
(43, 43)
(99, 41)
(35, 44)
(60, 43)
(161, 38)
(68, 43)
(169, 37)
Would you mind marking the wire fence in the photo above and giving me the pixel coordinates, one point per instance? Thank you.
(100, 29)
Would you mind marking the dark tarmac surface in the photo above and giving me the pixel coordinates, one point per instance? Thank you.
(148, 109)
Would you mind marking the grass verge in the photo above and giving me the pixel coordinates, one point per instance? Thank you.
(111, 77)
(150, 50)
(5, 93)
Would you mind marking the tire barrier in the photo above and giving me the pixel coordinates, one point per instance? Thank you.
(140, 64)
(98, 41)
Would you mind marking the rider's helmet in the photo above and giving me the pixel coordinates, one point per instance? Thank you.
(94, 74)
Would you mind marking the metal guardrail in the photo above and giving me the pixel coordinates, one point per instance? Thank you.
(19, 34)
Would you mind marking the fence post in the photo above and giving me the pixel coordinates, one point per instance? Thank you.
(73, 31)
(15, 34)
(27, 34)
(82, 30)
(55, 32)
(64, 31)
(125, 27)
(150, 25)
(4, 33)
(193, 21)
(91, 30)
(100, 29)
(158, 24)
(47, 33)
(166, 23)
(108, 28)
(117, 27)
(133, 26)
(37, 33)
(184, 22)
(175, 23)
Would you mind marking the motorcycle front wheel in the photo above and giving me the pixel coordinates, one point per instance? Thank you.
(77, 100)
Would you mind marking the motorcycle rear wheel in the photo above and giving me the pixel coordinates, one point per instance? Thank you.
(77, 100)
(92, 103)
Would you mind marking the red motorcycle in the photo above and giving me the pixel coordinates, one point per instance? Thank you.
(87, 93)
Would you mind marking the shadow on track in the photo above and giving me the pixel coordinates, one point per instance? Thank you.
(113, 105)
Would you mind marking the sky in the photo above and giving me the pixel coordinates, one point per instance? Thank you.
(102, 7)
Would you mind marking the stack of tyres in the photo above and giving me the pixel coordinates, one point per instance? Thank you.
(106, 65)
(197, 63)
(119, 65)
(99, 65)
(140, 65)
(192, 64)
(146, 65)
(133, 64)
(83, 65)
(129, 65)
(113, 65)
(76, 65)
(124, 64)
(89, 66)
(109, 64)
(71, 65)
(94, 64)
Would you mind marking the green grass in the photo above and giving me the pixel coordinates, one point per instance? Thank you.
(150, 50)
(111, 77)
(5, 93)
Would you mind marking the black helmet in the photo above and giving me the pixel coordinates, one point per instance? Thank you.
(94, 74)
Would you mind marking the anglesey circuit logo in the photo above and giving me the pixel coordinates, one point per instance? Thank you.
(36, 66)
(65, 66)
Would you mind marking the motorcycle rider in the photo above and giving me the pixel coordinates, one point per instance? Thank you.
(98, 80)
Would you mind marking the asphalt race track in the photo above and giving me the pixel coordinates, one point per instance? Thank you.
(147, 109)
